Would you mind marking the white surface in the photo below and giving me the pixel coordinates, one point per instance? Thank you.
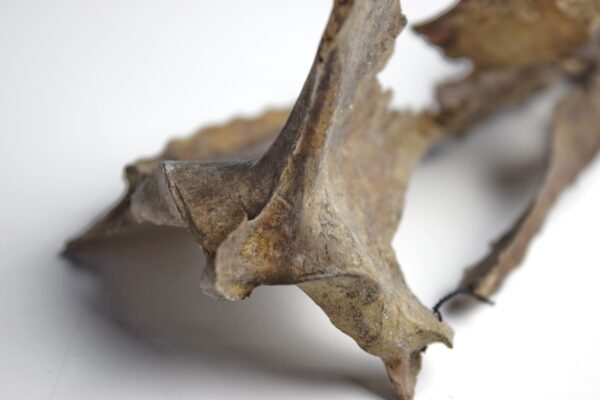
(87, 86)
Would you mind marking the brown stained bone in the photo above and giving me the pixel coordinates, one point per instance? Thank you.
(517, 48)
(575, 142)
(312, 196)
(318, 209)
(513, 33)
(240, 139)
(535, 43)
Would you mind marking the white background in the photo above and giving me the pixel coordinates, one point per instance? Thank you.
(87, 86)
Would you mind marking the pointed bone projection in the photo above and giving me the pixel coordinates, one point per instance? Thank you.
(319, 207)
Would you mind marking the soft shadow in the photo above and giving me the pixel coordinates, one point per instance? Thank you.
(149, 282)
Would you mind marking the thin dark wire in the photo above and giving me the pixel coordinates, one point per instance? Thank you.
(455, 293)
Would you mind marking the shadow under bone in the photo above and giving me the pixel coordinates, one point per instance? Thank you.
(150, 282)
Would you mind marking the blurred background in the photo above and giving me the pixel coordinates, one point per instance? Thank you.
(88, 86)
